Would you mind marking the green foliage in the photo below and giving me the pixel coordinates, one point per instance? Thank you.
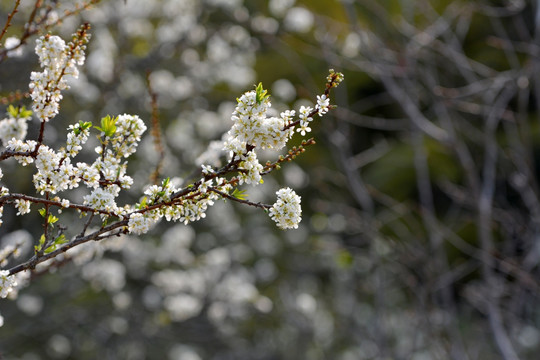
(83, 125)
(19, 112)
(240, 194)
(60, 240)
(262, 94)
(38, 247)
(143, 204)
(108, 125)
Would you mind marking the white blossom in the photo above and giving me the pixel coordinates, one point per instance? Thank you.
(65, 203)
(286, 211)
(203, 188)
(253, 127)
(76, 138)
(102, 199)
(323, 103)
(57, 60)
(212, 154)
(7, 283)
(13, 48)
(252, 167)
(23, 147)
(304, 128)
(129, 129)
(23, 206)
(207, 169)
(89, 174)
(11, 128)
(139, 223)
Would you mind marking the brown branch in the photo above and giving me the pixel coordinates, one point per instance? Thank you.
(96, 235)
(242, 201)
(33, 26)
(156, 131)
(47, 202)
(8, 22)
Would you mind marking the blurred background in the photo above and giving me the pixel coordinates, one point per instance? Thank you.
(420, 236)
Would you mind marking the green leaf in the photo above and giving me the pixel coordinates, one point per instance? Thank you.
(57, 242)
(49, 249)
(165, 182)
(52, 219)
(42, 212)
(83, 125)
(24, 113)
(239, 194)
(60, 240)
(18, 112)
(261, 94)
(12, 111)
(41, 243)
(108, 125)
(142, 205)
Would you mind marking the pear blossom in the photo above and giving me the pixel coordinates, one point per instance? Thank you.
(12, 128)
(207, 169)
(18, 145)
(254, 128)
(7, 283)
(286, 211)
(12, 44)
(57, 60)
(101, 199)
(323, 103)
(139, 223)
(23, 206)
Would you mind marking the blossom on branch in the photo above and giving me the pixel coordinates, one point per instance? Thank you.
(57, 60)
(286, 211)
(106, 176)
(7, 283)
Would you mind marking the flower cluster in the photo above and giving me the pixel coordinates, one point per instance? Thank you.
(323, 102)
(54, 172)
(160, 202)
(7, 283)
(253, 127)
(252, 167)
(57, 60)
(57, 170)
(107, 175)
(13, 127)
(305, 119)
(25, 147)
(23, 206)
(77, 136)
(286, 211)
(129, 129)
(139, 223)
(13, 45)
